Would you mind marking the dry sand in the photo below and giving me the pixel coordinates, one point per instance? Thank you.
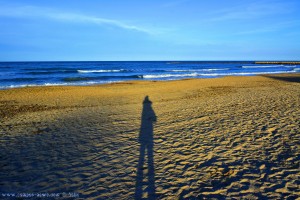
(232, 137)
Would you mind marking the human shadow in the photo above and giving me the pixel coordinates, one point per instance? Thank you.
(146, 180)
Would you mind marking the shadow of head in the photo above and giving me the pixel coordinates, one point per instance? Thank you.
(148, 112)
(147, 100)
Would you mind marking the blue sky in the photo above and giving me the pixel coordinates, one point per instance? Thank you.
(58, 30)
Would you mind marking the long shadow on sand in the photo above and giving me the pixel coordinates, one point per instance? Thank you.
(291, 78)
(146, 180)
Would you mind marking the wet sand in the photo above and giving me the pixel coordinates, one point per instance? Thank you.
(232, 137)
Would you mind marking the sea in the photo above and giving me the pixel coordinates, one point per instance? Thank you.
(27, 74)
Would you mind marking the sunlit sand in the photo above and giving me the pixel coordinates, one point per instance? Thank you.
(188, 139)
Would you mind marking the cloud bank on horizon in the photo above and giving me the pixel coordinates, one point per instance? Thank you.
(155, 30)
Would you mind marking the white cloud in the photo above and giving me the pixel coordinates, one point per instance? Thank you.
(40, 12)
(96, 20)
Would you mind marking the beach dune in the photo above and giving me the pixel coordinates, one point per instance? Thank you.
(235, 137)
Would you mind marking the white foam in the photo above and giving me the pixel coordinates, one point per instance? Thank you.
(54, 84)
(57, 84)
(18, 86)
(170, 75)
(198, 70)
(213, 74)
(266, 66)
(245, 73)
(100, 71)
(78, 83)
(296, 69)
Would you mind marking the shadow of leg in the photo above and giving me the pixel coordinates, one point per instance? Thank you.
(151, 177)
(139, 177)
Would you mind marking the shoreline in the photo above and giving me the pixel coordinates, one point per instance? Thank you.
(234, 137)
(133, 81)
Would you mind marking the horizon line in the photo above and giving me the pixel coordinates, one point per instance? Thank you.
(154, 61)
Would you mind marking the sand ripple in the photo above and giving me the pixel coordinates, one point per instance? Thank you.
(232, 141)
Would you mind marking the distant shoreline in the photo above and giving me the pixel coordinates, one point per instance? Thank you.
(278, 62)
(235, 62)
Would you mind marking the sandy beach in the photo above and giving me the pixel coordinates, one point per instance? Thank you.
(231, 137)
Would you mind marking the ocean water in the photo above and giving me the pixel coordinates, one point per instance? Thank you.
(23, 74)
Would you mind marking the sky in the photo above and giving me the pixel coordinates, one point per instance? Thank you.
(133, 30)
